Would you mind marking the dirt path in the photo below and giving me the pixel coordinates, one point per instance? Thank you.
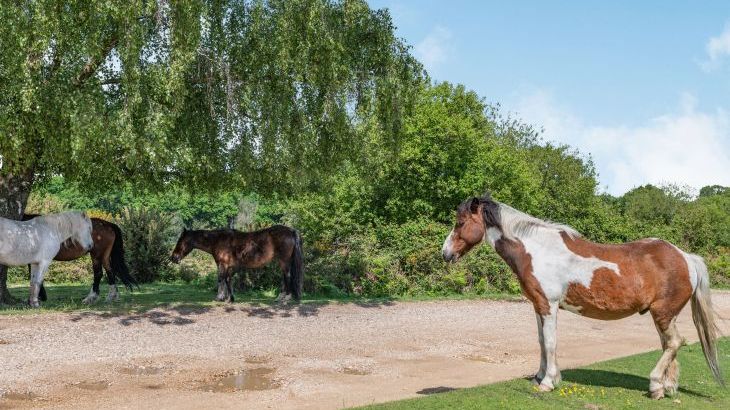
(309, 356)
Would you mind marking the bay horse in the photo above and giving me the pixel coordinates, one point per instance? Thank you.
(556, 268)
(106, 254)
(37, 241)
(234, 250)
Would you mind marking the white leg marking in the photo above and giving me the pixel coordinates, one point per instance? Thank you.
(113, 293)
(550, 341)
(91, 298)
(671, 342)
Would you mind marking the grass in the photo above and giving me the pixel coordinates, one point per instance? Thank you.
(614, 384)
(67, 298)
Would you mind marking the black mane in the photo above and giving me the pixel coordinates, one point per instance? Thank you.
(490, 210)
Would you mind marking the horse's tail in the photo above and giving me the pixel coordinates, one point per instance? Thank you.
(117, 262)
(703, 315)
(296, 271)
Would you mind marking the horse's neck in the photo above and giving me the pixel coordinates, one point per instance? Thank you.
(62, 228)
(205, 241)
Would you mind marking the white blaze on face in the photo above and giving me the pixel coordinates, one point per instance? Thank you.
(447, 243)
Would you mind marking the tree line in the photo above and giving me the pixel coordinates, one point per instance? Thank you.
(313, 109)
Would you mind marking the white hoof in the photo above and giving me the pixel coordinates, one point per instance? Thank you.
(92, 298)
(113, 295)
(545, 387)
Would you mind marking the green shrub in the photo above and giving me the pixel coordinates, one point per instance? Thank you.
(148, 242)
(78, 271)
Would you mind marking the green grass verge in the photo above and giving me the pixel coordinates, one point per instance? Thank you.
(614, 384)
(67, 298)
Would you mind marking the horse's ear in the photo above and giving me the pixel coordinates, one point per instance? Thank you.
(474, 205)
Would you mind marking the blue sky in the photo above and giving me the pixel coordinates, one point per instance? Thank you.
(644, 87)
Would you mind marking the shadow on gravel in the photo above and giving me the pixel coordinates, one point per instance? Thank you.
(604, 378)
(178, 316)
(303, 309)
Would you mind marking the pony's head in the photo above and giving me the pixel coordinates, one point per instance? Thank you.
(474, 217)
(74, 226)
(183, 247)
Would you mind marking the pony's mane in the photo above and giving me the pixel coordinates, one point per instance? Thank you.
(68, 224)
(517, 224)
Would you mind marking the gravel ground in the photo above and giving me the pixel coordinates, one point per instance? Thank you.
(306, 356)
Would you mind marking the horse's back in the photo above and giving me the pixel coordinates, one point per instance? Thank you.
(23, 242)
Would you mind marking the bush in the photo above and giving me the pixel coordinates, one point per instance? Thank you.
(148, 242)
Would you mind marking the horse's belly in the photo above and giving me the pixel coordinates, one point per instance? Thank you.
(606, 304)
(69, 252)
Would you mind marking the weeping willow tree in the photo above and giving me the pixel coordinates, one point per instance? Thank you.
(266, 95)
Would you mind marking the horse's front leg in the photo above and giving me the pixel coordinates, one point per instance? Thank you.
(543, 359)
(550, 342)
(38, 270)
(222, 288)
(94, 292)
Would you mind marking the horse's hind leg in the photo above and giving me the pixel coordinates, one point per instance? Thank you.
(285, 293)
(229, 287)
(94, 292)
(664, 378)
(112, 280)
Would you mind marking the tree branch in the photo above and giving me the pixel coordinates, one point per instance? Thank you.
(93, 63)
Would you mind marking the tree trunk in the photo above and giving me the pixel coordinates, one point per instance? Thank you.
(14, 192)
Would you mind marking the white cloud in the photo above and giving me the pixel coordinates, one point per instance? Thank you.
(717, 48)
(434, 48)
(688, 147)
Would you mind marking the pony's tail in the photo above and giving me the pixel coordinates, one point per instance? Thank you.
(703, 315)
(296, 271)
(118, 265)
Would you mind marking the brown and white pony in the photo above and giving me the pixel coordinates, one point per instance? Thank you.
(556, 268)
(234, 250)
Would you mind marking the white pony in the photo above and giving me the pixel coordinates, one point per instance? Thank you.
(36, 243)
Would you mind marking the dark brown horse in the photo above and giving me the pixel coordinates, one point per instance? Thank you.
(235, 250)
(107, 253)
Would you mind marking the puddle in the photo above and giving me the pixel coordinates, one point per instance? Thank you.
(93, 386)
(4, 342)
(140, 370)
(248, 379)
(355, 371)
(154, 386)
(16, 396)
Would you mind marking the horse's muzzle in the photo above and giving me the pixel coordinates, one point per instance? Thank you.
(450, 257)
(175, 259)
